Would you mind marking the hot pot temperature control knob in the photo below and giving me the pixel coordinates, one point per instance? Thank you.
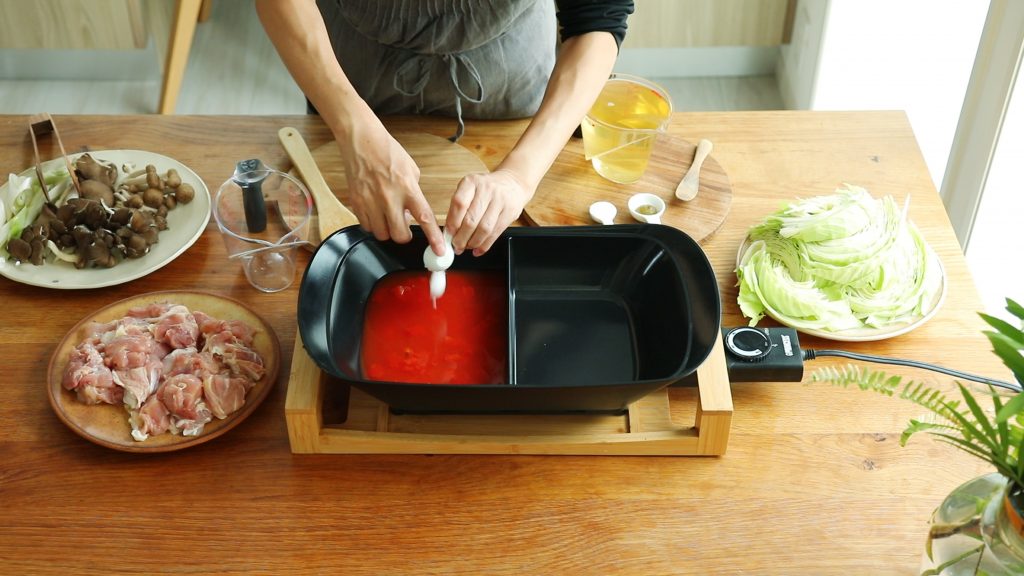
(760, 355)
(748, 344)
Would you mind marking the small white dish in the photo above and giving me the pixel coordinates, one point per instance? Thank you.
(603, 212)
(646, 208)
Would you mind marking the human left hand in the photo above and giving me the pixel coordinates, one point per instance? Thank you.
(482, 208)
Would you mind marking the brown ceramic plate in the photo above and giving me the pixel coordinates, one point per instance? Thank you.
(107, 425)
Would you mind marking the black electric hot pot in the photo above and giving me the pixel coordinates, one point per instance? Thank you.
(598, 316)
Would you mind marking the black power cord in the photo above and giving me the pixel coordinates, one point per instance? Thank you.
(812, 354)
(774, 355)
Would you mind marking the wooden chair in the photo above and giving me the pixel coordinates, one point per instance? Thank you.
(187, 13)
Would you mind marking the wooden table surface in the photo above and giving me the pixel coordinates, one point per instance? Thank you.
(814, 480)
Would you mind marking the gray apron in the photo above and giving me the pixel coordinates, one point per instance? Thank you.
(484, 59)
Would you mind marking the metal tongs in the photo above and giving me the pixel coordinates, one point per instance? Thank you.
(43, 125)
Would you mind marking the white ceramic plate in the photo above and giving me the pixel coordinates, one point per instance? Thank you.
(868, 334)
(185, 224)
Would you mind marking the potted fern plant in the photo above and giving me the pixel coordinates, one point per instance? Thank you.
(979, 527)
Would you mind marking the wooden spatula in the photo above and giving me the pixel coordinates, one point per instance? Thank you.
(332, 215)
(687, 189)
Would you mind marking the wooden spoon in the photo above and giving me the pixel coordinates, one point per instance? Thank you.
(687, 189)
(332, 215)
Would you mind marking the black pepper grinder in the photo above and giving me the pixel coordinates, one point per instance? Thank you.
(249, 175)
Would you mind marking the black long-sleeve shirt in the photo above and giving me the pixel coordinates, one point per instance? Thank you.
(581, 16)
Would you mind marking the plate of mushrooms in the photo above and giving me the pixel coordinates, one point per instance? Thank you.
(119, 215)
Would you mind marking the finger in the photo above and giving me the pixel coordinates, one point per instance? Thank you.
(504, 220)
(461, 201)
(363, 211)
(378, 222)
(398, 228)
(485, 228)
(424, 214)
(474, 215)
(364, 219)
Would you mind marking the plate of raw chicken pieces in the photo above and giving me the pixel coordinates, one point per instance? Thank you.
(163, 371)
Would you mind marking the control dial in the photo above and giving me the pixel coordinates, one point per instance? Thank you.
(748, 344)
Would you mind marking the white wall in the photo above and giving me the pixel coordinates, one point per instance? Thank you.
(797, 69)
(912, 55)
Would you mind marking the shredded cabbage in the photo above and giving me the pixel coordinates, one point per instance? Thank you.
(838, 262)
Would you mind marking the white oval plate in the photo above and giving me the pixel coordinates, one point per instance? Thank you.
(185, 224)
(866, 334)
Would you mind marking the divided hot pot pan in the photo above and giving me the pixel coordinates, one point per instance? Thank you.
(597, 316)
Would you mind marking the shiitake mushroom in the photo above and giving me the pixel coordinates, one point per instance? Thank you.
(135, 246)
(140, 221)
(121, 216)
(96, 190)
(88, 169)
(19, 249)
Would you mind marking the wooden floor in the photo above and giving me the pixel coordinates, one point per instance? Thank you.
(233, 69)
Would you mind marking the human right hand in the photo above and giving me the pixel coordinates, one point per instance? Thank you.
(382, 177)
(383, 182)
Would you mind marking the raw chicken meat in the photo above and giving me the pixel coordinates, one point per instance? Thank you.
(235, 354)
(190, 361)
(90, 378)
(154, 310)
(172, 368)
(132, 351)
(177, 328)
(151, 419)
(138, 383)
(225, 393)
(209, 325)
(182, 395)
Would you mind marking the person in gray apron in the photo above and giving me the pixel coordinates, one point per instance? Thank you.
(359, 59)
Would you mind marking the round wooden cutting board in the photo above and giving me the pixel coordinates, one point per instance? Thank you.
(571, 186)
(442, 164)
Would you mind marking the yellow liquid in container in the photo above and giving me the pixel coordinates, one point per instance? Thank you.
(620, 128)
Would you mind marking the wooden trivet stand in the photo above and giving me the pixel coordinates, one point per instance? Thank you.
(326, 417)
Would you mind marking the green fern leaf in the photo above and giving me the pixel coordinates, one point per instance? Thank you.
(982, 421)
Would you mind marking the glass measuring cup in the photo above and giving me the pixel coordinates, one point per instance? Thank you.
(263, 216)
(620, 128)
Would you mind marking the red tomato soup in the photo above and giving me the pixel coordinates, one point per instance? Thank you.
(463, 341)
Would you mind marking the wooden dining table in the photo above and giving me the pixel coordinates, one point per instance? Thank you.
(814, 479)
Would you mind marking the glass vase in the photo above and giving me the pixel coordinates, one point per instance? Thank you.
(977, 530)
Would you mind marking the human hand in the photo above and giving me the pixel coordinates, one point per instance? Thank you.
(383, 183)
(482, 208)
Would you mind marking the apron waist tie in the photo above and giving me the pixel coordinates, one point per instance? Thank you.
(420, 64)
